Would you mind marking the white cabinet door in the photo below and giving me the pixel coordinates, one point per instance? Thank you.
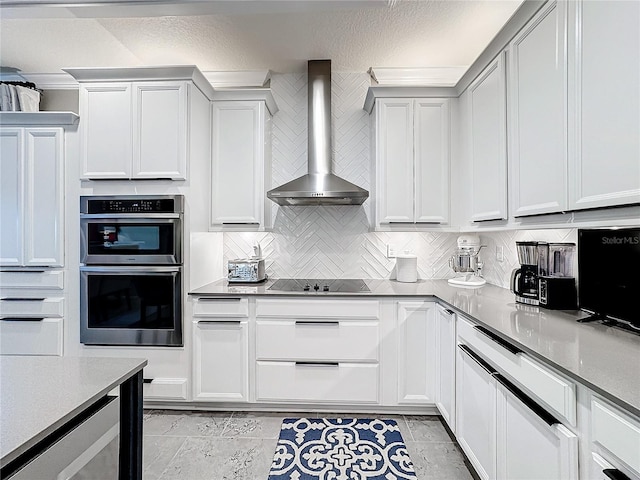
(476, 413)
(105, 112)
(431, 134)
(160, 130)
(416, 352)
(221, 360)
(44, 197)
(32, 189)
(395, 169)
(445, 365)
(487, 107)
(11, 196)
(238, 162)
(604, 167)
(538, 107)
(531, 445)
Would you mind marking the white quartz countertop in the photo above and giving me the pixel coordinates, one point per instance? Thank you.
(604, 358)
(40, 394)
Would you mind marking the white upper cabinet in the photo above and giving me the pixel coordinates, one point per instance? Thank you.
(604, 103)
(32, 195)
(487, 112)
(160, 130)
(12, 195)
(141, 123)
(105, 109)
(134, 130)
(431, 134)
(394, 160)
(412, 160)
(538, 114)
(240, 163)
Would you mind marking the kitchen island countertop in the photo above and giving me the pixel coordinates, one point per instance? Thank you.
(602, 357)
(40, 394)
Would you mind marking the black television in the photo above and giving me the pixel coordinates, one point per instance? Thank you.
(609, 273)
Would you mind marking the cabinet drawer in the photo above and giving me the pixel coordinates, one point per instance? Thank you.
(317, 383)
(31, 336)
(617, 432)
(32, 307)
(165, 389)
(317, 340)
(43, 280)
(221, 307)
(325, 308)
(553, 390)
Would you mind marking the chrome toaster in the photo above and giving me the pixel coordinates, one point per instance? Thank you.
(246, 270)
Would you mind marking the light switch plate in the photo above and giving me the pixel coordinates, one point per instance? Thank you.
(499, 253)
(391, 250)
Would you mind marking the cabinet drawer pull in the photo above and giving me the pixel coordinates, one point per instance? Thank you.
(22, 299)
(147, 380)
(615, 474)
(450, 312)
(317, 364)
(219, 299)
(22, 319)
(503, 343)
(221, 322)
(9, 270)
(527, 401)
(475, 357)
(326, 324)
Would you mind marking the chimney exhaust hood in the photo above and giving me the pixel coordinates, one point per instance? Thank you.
(319, 186)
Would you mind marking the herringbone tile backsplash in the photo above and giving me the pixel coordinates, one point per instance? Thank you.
(335, 242)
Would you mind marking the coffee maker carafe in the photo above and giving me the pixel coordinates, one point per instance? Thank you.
(533, 258)
(557, 288)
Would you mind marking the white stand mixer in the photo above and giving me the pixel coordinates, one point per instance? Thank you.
(465, 261)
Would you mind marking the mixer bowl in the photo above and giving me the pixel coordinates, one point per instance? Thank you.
(464, 262)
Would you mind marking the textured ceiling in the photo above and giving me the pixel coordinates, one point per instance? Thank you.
(404, 33)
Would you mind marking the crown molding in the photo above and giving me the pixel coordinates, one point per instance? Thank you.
(239, 79)
(417, 77)
(241, 94)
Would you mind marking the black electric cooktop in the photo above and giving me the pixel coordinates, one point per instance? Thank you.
(345, 285)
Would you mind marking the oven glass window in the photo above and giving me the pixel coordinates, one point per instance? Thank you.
(131, 301)
(130, 239)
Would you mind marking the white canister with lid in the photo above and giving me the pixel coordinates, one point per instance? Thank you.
(407, 267)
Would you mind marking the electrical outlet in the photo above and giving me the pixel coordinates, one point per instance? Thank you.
(499, 253)
(391, 250)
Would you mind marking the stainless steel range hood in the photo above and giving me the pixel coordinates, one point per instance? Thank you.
(319, 186)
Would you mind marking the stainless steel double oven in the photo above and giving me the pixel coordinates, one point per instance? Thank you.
(131, 270)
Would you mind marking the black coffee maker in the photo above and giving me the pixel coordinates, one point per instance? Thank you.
(534, 260)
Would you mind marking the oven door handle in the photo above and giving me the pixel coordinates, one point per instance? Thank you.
(122, 269)
(141, 217)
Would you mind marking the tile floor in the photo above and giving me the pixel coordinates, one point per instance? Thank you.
(240, 446)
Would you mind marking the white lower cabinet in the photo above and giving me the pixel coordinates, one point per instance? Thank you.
(317, 382)
(476, 412)
(530, 444)
(416, 335)
(221, 359)
(317, 351)
(31, 336)
(446, 365)
(615, 434)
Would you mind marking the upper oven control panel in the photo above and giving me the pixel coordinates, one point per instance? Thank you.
(131, 204)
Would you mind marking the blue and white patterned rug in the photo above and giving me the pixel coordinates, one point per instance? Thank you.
(340, 449)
